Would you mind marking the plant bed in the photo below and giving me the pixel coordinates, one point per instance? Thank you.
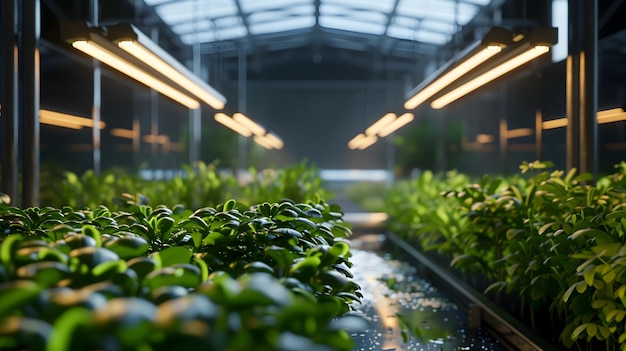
(405, 311)
(274, 276)
(550, 246)
(513, 334)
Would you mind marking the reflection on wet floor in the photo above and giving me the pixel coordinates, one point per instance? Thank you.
(406, 312)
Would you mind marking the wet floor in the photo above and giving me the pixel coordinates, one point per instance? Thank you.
(406, 312)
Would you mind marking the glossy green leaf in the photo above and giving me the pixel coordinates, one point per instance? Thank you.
(173, 255)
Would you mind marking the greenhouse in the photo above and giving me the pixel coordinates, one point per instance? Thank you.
(313, 175)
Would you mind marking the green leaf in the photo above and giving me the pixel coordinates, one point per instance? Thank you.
(576, 333)
(588, 274)
(229, 205)
(14, 294)
(91, 231)
(128, 246)
(173, 255)
(65, 328)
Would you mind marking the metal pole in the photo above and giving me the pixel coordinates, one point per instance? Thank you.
(9, 161)
(538, 135)
(242, 102)
(30, 60)
(582, 86)
(97, 98)
(195, 116)
(589, 89)
(154, 117)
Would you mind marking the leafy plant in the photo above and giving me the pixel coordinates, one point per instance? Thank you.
(269, 277)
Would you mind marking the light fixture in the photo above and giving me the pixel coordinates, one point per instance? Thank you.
(133, 41)
(227, 121)
(605, 116)
(362, 141)
(382, 122)
(123, 133)
(156, 139)
(484, 138)
(519, 133)
(274, 140)
(243, 125)
(396, 124)
(384, 126)
(554, 123)
(612, 115)
(248, 123)
(524, 51)
(66, 120)
(470, 58)
(97, 46)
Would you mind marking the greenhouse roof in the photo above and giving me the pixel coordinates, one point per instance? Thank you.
(284, 24)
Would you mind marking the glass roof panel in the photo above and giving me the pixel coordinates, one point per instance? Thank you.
(187, 10)
(354, 15)
(296, 22)
(193, 26)
(444, 10)
(352, 25)
(374, 5)
(261, 5)
(418, 35)
(278, 15)
(430, 21)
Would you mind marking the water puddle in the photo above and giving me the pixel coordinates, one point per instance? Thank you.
(406, 312)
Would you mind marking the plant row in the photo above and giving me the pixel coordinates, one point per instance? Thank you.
(273, 276)
(198, 185)
(553, 239)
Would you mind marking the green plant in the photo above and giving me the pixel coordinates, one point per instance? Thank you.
(274, 276)
(553, 238)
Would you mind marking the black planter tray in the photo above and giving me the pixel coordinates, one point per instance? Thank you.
(482, 312)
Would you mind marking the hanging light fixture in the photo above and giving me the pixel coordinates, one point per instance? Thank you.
(476, 54)
(246, 127)
(523, 51)
(66, 120)
(396, 124)
(89, 41)
(384, 126)
(132, 40)
(227, 121)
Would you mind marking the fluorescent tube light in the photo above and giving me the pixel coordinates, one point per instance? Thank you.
(466, 61)
(612, 115)
(518, 133)
(381, 123)
(524, 50)
(91, 42)
(274, 140)
(133, 41)
(123, 133)
(484, 138)
(555, 123)
(66, 120)
(367, 142)
(107, 57)
(248, 124)
(232, 124)
(356, 141)
(490, 75)
(396, 124)
(263, 141)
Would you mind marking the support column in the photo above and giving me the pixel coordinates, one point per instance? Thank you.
(97, 98)
(30, 62)
(582, 86)
(195, 116)
(9, 119)
(242, 89)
